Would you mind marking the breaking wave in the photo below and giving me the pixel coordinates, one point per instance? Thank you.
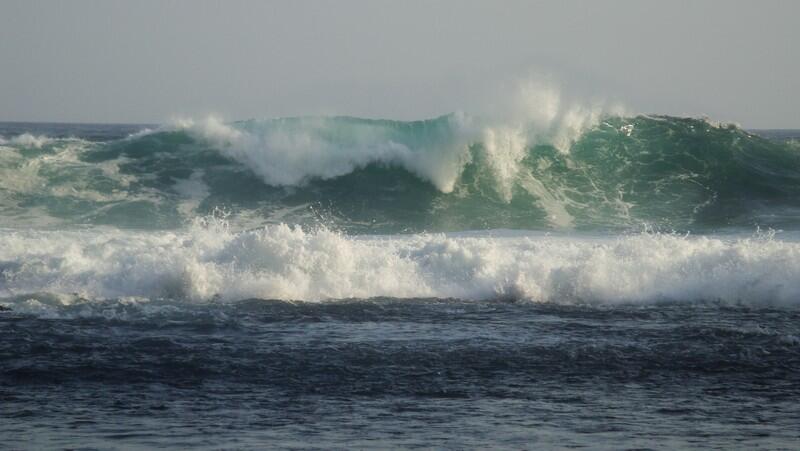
(582, 169)
(210, 262)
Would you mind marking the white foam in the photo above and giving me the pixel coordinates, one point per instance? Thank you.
(26, 140)
(209, 262)
(292, 153)
(25, 174)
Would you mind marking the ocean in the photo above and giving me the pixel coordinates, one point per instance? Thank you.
(606, 282)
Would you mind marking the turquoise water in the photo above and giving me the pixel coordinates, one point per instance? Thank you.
(369, 176)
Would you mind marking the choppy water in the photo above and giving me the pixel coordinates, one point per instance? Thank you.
(597, 281)
(387, 373)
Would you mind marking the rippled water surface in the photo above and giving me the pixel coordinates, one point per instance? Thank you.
(386, 373)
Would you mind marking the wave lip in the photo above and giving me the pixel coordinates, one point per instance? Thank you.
(210, 262)
(293, 151)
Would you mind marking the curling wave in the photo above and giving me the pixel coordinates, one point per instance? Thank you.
(581, 169)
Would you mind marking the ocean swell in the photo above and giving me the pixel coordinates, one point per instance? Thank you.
(575, 169)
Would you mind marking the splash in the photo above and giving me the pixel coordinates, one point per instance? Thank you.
(26, 140)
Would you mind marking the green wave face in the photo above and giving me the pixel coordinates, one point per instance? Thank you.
(446, 174)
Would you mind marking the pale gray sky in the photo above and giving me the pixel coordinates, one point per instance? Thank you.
(147, 61)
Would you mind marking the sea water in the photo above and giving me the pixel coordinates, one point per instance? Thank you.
(594, 280)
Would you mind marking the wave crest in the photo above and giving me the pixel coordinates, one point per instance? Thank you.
(293, 151)
(573, 167)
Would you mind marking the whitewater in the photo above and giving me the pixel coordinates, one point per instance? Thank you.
(211, 263)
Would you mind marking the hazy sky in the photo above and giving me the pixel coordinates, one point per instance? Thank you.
(147, 61)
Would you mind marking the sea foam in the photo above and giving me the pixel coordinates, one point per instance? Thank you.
(27, 140)
(210, 262)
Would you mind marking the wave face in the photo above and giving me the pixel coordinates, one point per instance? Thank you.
(586, 172)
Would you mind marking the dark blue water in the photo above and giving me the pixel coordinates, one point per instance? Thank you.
(388, 373)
